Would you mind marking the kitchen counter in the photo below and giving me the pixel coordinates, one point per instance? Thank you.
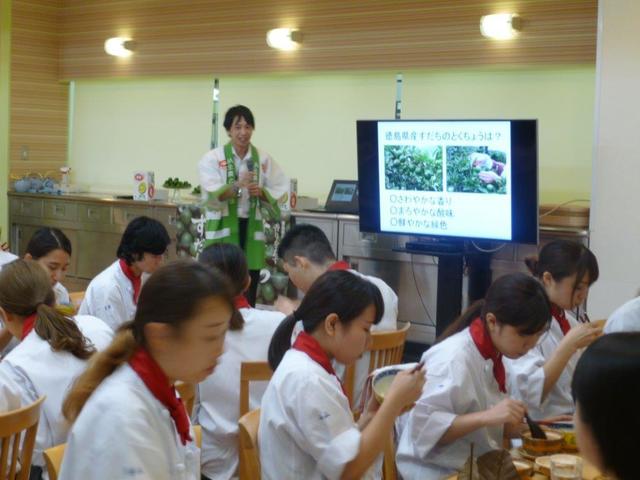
(95, 198)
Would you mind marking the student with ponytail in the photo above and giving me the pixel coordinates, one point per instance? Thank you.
(52, 352)
(306, 425)
(542, 378)
(465, 400)
(127, 419)
(247, 340)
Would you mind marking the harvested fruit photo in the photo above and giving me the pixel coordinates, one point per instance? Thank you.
(476, 170)
(411, 168)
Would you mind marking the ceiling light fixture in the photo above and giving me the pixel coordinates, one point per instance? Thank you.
(501, 26)
(284, 38)
(119, 46)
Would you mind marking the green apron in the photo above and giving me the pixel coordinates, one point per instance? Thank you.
(222, 225)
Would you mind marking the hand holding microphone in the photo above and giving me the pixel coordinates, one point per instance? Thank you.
(250, 176)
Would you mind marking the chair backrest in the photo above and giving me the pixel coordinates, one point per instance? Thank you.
(252, 372)
(187, 393)
(386, 349)
(248, 452)
(14, 445)
(53, 459)
(76, 299)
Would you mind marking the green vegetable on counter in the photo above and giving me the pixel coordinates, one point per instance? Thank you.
(176, 183)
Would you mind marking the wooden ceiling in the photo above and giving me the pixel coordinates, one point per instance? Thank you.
(225, 36)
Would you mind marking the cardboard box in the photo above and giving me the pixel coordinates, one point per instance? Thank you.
(144, 187)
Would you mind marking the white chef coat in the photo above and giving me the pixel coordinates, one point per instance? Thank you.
(388, 322)
(6, 257)
(459, 381)
(525, 376)
(213, 175)
(123, 431)
(109, 296)
(625, 319)
(62, 294)
(219, 394)
(33, 369)
(306, 427)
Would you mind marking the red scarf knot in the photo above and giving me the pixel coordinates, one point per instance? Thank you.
(241, 302)
(28, 325)
(561, 317)
(340, 265)
(487, 349)
(136, 280)
(308, 344)
(157, 382)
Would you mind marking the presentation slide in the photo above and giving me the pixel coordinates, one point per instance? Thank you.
(445, 178)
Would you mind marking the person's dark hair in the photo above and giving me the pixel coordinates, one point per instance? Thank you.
(606, 388)
(340, 292)
(45, 240)
(25, 289)
(231, 261)
(143, 235)
(172, 295)
(564, 258)
(515, 299)
(307, 241)
(238, 111)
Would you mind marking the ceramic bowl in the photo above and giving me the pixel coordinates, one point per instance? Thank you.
(384, 377)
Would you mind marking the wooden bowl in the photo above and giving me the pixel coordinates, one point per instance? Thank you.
(524, 469)
(538, 447)
(543, 465)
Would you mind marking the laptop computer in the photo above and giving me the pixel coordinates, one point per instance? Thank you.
(342, 198)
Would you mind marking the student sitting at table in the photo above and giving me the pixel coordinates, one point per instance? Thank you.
(127, 419)
(247, 340)
(607, 394)
(465, 400)
(113, 294)
(307, 254)
(52, 352)
(625, 318)
(51, 248)
(542, 377)
(307, 429)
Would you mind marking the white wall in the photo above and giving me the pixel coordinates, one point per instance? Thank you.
(615, 221)
(307, 122)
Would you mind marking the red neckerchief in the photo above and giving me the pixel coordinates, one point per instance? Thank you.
(241, 302)
(28, 325)
(487, 349)
(135, 280)
(158, 383)
(340, 265)
(309, 345)
(561, 317)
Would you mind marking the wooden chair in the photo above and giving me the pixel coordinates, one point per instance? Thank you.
(252, 372)
(389, 470)
(12, 424)
(248, 452)
(187, 393)
(386, 349)
(197, 432)
(76, 299)
(53, 459)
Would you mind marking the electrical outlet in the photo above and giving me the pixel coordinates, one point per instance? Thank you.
(24, 153)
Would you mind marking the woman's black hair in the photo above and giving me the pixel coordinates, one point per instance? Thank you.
(564, 258)
(231, 261)
(515, 299)
(45, 240)
(340, 292)
(238, 111)
(143, 235)
(606, 388)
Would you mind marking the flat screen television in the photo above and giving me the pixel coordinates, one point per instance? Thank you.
(449, 179)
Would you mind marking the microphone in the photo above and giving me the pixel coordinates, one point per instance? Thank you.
(249, 164)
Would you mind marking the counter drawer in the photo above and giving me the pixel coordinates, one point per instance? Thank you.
(27, 207)
(61, 210)
(123, 215)
(94, 214)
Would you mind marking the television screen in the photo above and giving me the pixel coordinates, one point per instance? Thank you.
(461, 179)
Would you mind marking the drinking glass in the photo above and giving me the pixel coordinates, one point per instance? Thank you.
(566, 467)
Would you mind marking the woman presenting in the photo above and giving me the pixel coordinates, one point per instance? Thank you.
(239, 183)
